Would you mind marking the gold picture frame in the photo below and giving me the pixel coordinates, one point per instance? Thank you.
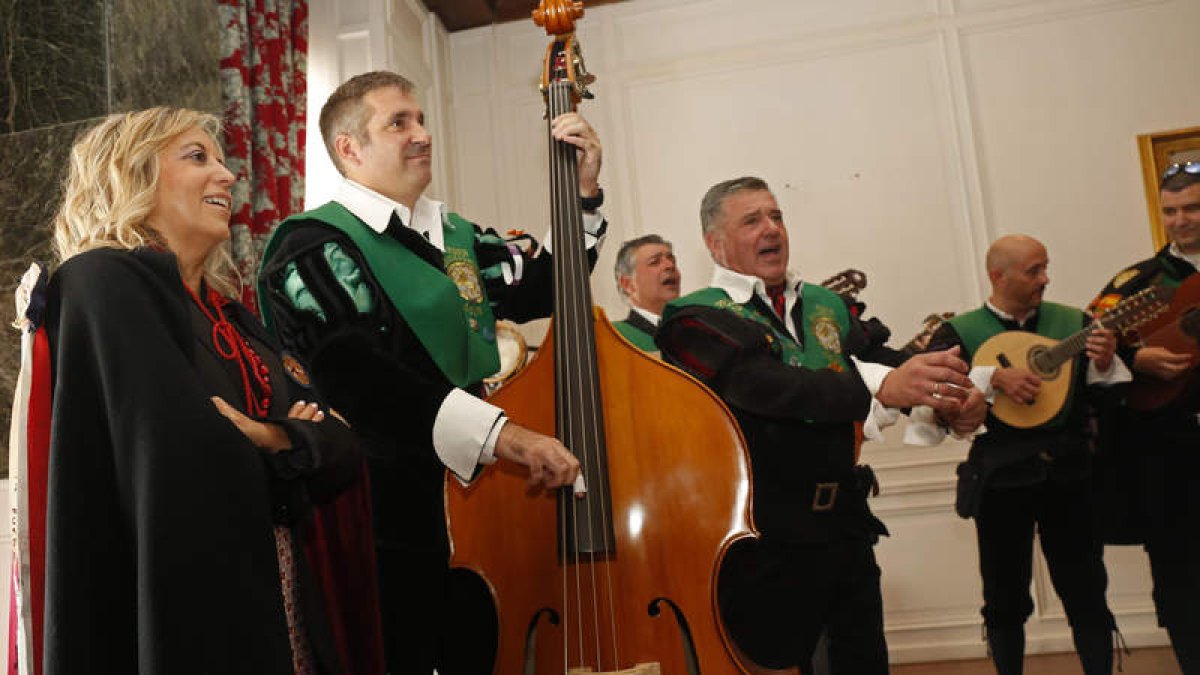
(1158, 151)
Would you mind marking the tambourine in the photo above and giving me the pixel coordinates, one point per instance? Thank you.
(514, 353)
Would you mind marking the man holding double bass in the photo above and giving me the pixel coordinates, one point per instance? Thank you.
(392, 298)
(1152, 456)
(1020, 474)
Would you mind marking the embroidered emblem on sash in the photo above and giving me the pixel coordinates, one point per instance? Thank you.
(296, 371)
(826, 330)
(1124, 278)
(463, 275)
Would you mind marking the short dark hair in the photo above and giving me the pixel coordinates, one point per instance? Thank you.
(714, 199)
(1180, 182)
(625, 263)
(345, 113)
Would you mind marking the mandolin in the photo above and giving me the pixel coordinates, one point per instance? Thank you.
(1054, 361)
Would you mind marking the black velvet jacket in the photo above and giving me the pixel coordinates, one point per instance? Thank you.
(798, 423)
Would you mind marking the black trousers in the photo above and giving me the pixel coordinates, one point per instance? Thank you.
(777, 597)
(434, 617)
(1175, 568)
(1172, 538)
(1064, 516)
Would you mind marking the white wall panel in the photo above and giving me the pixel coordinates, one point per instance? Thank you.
(849, 150)
(474, 163)
(354, 53)
(470, 62)
(349, 12)
(675, 31)
(1057, 105)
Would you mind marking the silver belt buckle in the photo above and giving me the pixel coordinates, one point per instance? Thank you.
(824, 497)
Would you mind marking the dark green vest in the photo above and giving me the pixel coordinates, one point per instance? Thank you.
(446, 309)
(826, 325)
(1055, 321)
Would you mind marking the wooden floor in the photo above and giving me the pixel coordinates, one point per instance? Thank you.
(1148, 661)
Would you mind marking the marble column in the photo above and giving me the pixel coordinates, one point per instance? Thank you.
(63, 65)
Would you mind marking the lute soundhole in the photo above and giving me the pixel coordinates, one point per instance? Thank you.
(1041, 363)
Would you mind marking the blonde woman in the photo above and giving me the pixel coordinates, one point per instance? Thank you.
(185, 452)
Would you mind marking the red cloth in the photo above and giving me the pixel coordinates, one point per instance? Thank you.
(264, 89)
(37, 434)
(351, 598)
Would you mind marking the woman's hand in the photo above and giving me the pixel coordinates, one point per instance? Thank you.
(306, 411)
(269, 437)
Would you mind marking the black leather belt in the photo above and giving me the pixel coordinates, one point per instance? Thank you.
(860, 484)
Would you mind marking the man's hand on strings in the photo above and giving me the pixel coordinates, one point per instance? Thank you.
(549, 462)
(574, 129)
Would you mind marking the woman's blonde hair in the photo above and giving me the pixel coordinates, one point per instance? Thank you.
(111, 183)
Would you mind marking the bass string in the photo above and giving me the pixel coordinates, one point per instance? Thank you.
(564, 317)
(593, 406)
(576, 373)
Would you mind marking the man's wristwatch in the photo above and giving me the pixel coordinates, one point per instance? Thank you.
(592, 203)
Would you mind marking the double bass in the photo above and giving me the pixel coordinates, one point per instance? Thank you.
(622, 579)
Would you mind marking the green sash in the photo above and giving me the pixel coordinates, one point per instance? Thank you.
(1055, 321)
(826, 324)
(640, 338)
(446, 309)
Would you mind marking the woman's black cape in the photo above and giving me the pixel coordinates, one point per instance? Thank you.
(160, 556)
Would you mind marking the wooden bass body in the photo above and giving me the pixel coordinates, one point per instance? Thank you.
(679, 480)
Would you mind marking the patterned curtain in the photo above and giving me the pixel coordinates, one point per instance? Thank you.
(264, 47)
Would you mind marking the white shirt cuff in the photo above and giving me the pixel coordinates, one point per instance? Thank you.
(925, 430)
(1117, 373)
(981, 377)
(923, 427)
(592, 237)
(465, 431)
(880, 417)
